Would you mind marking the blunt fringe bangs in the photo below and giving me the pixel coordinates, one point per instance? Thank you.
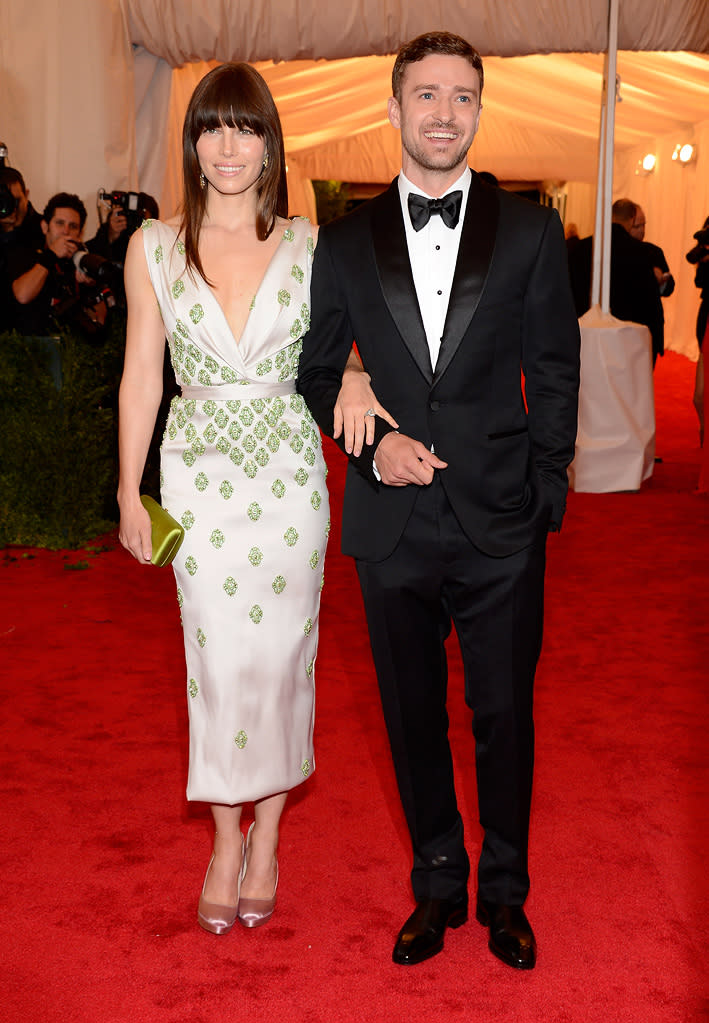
(237, 96)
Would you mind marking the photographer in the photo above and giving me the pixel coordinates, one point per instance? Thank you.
(127, 212)
(47, 281)
(19, 228)
(699, 257)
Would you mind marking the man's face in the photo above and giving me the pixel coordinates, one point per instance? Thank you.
(437, 115)
(637, 228)
(16, 218)
(65, 223)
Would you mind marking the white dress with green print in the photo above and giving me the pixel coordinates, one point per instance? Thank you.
(242, 470)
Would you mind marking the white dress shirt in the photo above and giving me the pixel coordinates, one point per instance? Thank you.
(433, 252)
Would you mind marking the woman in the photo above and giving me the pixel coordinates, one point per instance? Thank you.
(242, 469)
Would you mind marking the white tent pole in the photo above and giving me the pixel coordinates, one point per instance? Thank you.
(598, 228)
(611, 74)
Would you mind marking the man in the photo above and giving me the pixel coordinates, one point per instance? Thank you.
(634, 291)
(448, 522)
(19, 229)
(655, 255)
(45, 280)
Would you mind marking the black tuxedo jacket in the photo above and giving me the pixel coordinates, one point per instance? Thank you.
(510, 309)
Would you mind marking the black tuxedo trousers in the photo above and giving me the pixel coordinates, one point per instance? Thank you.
(436, 577)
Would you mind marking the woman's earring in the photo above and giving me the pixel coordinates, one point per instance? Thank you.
(202, 180)
(265, 162)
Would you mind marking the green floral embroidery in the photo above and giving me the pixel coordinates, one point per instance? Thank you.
(146, 224)
(255, 614)
(229, 376)
(193, 688)
(178, 288)
(196, 313)
(190, 432)
(230, 585)
(211, 364)
(262, 457)
(278, 489)
(284, 297)
(180, 598)
(305, 315)
(307, 628)
(189, 458)
(172, 431)
(190, 407)
(210, 434)
(296, 443)
(297, 273)
(296, 330)
(204, 378)
(250, 468)
(315, 500)
(314, 560)
(309, 669)
(255, 556)
(278, 584)
(223, 445)
(254, 511)
(296, 403)
(198, 446)
(221, 419)
(191, 565)
(310, 245)
(246, 416)
(235, 430)
(291, 536)
(226, 490)
(181, 248)
(249, 443)
(217, 538)
(264, 367)
(240, 739)
(260, 430)
(233, 405)
(209, 407)
(236, 455)
(187, 520)
(301, 477)
(305, 768)
(283, 430)
(273, 443)
(158, 254)
(309, 456)
(201, 638)
(289, 234)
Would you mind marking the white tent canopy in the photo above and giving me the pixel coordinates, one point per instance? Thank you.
(93, 95)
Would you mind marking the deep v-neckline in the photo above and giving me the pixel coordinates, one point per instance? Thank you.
(252, 305)
(217, 303)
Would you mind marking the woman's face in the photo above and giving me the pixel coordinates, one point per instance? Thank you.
(231, 159)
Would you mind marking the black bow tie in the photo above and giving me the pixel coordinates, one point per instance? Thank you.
(421, 208)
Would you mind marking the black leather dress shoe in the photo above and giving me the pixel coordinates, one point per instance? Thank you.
(511, 937)
(422, 935)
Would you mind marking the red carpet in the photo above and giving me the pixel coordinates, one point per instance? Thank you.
(102, 859)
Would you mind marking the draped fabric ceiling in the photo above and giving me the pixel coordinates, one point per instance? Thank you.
(93, 95)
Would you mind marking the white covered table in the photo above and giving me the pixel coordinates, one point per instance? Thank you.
(615, 443)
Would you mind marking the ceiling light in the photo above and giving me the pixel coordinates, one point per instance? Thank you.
(649, 161)
(684, 152)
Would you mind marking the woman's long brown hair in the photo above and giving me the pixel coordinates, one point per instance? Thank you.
(237, 96)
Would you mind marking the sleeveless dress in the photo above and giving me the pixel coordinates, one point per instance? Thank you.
(242, 469)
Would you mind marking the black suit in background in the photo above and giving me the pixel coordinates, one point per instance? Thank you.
(634, 291)
(469, 548)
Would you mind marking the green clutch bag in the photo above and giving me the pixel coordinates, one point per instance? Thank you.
(166, 533)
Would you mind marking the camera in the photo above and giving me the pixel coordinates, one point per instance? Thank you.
(702, 236)
(131, 204)
(8, 202)
(106, 275)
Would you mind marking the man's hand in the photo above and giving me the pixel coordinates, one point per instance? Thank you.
(64, 247)
(117, 223)
(401, 460)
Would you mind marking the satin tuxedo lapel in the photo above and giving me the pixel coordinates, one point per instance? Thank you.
(477, 242)
(392, 258)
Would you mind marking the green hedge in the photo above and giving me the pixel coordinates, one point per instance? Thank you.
(58, 437)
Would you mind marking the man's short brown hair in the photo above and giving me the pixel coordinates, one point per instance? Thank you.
(424, 46)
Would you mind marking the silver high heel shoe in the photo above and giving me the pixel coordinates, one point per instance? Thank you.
(255, 912)
(212, 916)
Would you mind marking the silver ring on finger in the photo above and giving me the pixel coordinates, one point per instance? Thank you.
(370, 412)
